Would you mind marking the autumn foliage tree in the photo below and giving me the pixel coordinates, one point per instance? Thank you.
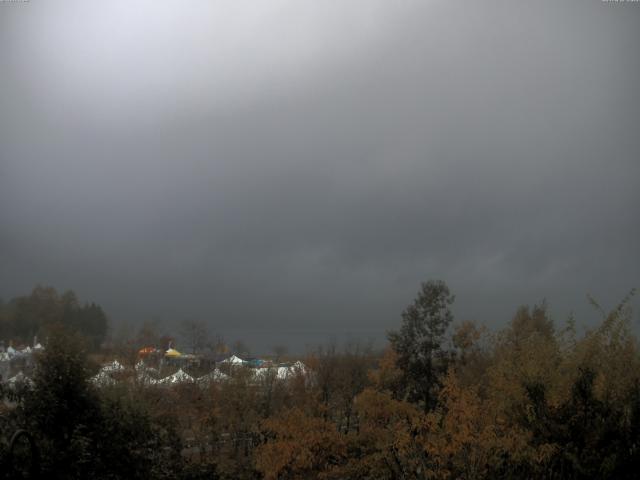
(531, 400)
(300, 446)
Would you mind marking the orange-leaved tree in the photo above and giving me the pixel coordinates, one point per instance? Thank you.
(299, 446)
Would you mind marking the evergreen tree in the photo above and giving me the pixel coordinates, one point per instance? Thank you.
(418, 344)
(84, 433)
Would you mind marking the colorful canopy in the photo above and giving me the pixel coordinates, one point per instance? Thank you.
(172, 352)
(146, 351)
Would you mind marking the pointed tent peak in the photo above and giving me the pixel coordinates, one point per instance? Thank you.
(215, 375)
(179, 377)
(143, 377)
(17, 376)
(18, 379)
(182, 374)
(299, 366)
(262, 372)
(234, 360)
(114, 366)
(102, 379)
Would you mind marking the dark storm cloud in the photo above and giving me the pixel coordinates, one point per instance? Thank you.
(299, 169)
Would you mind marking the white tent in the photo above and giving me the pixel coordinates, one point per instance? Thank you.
(143, 367)
(298, 367)
(144, 378)
(179, 377)
(103, 379)
(214, 376)
(18, 379)
(233, 360)
(112, 367)
(38, 346)
(261, 373)
(281, 373)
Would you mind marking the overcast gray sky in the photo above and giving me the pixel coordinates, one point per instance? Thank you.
(290, 170)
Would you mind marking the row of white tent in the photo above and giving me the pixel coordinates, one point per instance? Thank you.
(281, 373)
(104, 378)
(11, 352)
(147, 375)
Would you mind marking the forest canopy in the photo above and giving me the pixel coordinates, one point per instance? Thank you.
(445, 399)
(24, 318)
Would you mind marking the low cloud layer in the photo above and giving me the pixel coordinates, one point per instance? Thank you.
(292, 171)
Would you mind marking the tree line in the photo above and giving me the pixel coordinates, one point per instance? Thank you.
(26, 317)
(444, 400)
